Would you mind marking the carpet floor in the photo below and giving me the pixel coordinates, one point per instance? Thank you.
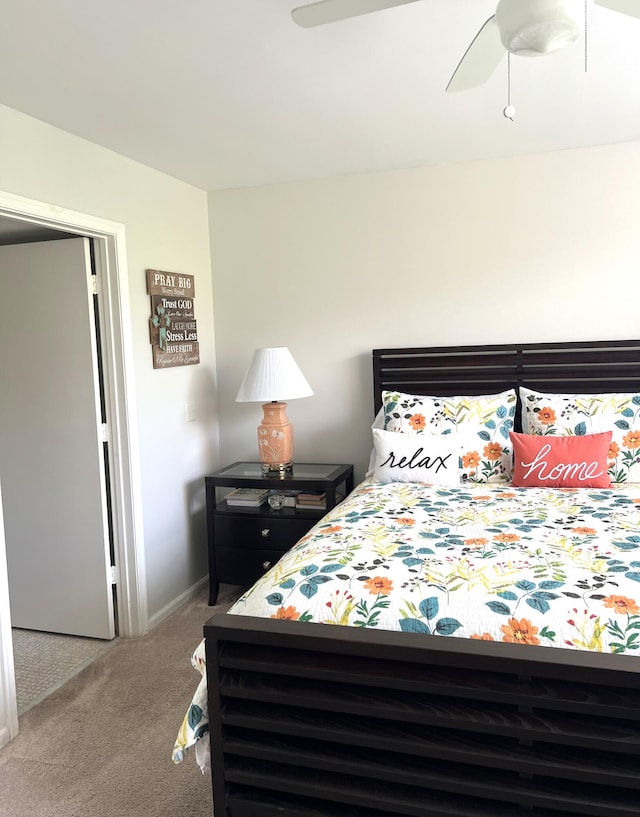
(45, 661)
(100, 745)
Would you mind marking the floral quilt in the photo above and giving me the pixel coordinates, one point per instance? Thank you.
(554, 567)
(195, 723)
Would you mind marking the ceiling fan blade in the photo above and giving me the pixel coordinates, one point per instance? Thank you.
(329, 11)
(630, 7)
(480, 60)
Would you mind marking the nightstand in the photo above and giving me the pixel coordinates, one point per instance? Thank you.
(244, 542)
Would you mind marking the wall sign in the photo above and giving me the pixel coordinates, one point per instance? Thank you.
(173, 330)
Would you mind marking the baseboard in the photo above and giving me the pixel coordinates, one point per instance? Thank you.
(5, 736)
(168, 609)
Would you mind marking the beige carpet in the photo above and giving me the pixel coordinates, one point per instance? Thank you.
(57, 659)
(100, 746)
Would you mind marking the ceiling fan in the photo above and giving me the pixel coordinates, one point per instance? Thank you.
(522, 27)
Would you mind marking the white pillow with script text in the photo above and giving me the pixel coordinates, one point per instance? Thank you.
(431, 459)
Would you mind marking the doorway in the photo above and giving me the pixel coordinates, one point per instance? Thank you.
(54, 462)
(109, 242)
(53, 458)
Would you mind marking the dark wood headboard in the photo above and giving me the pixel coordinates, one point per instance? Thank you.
(584, 366)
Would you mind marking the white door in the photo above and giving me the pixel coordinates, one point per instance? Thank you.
(51, 451)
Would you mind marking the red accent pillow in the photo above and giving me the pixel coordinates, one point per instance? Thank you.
(561, 462)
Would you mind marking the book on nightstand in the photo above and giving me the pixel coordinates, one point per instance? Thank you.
(247, 497)
(316, 500)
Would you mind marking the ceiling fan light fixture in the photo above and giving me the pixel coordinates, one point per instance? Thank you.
(532, 29)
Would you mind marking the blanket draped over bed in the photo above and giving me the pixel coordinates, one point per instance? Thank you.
(532, 566)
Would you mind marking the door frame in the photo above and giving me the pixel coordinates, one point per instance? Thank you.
(118, 361)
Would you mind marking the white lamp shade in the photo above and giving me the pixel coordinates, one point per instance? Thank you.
(273, 375)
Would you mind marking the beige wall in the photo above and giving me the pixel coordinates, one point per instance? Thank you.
(538, 248)
(166, 226)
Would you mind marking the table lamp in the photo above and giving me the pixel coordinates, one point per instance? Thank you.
(273, 377)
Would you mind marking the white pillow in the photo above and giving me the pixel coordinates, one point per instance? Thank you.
(431, 459)
(377, 423)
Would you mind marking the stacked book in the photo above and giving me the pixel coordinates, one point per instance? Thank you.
(247, 497)
(315, 499)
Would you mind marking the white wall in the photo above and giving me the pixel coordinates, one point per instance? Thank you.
(166, 226)
(537, 248)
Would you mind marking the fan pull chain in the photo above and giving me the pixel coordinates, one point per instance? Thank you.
(509, 112)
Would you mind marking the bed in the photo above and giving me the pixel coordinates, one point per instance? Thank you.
(488, 664)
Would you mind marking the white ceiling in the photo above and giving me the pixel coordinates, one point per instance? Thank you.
(229, 93)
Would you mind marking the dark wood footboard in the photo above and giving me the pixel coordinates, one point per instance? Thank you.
(311, 720)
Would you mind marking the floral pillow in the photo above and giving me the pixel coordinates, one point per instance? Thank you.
(482, 423)
(579, 414)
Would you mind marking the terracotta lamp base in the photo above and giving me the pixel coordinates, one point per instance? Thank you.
(275, 440)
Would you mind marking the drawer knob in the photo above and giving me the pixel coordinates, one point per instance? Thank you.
(266, 565)
(265, 532)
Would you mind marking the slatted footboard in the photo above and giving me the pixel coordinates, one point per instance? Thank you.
(309, 720)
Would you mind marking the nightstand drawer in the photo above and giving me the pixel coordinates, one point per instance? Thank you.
(259, 532)
(243, 567)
